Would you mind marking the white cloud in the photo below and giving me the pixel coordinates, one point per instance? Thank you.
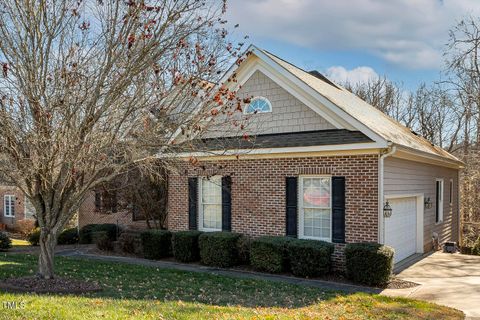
(410, 33)
(354, 76)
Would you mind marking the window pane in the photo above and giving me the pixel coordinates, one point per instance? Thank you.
(317, 223)
(316, 192)
(259, 105)
(211, 202)
(212, 216)
(211, 191)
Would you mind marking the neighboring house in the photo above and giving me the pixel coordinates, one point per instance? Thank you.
(102, 207)
(323, 165)
(15, 208)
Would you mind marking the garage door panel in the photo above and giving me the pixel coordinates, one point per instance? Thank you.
(401, 227)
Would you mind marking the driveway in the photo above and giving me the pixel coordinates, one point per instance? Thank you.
(448, 279)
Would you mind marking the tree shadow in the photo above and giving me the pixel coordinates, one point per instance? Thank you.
(133, 282)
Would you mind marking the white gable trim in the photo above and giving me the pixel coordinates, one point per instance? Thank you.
(300, 90)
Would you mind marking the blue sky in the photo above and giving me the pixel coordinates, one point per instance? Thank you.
(355, 39)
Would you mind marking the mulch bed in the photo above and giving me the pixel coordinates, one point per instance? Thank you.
(34, 284)
(396, 283)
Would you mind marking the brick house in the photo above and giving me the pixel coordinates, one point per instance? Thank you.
(99, 208)
(16, 213)
(325, 165)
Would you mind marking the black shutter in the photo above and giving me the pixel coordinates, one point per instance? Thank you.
(192, 203)
(98, 200)
(338, 209)
(227, 203)
(291, 209)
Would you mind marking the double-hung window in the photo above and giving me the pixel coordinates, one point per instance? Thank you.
(9, 205)
(439, 200)
(210, 204)
(315, 207)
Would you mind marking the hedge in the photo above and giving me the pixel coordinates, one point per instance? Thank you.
(156, 244)
(185, 246)
(219, 249)
(130, 242)
(369, 263)
(244, 245)
(102, 240)
(85, 234)
(270, 254)
(309, 258)
(34, 237)
(68, 236)
(5, 242)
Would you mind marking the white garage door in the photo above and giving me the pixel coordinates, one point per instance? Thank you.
(401, 227)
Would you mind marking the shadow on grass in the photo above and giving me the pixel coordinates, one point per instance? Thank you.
(126, 281)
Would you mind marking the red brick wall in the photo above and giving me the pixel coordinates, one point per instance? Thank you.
(87, 214)
(19, 206)
(258, 193)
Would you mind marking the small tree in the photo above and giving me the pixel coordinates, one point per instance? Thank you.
(90, 89)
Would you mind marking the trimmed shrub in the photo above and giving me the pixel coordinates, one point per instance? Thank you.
(476, 247)
(219, 249)
(270, 254)
(130, 242)
(309, 258)
(85, 234)
(156, 244)
(185, 246)
(369, 263)
(5, 242)
(34, 237)
(68, 236)
(244, 245)
(102, 240)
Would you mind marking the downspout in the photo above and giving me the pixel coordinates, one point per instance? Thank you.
(384, 154)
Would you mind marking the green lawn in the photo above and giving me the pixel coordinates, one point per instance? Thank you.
(135, 292)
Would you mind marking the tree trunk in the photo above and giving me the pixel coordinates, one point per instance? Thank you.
(47, 250)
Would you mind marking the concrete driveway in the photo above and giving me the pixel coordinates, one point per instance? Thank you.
(448, 279)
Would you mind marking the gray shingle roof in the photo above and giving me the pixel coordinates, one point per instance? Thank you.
(285, 140)
(373, 118)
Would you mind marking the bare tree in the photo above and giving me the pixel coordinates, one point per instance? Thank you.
(381, 93)
(91, 89)
(463, 70)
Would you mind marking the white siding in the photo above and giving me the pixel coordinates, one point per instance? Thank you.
(409, 177)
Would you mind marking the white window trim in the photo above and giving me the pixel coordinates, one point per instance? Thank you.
(451, 192)
(245, 110)
(439, 203)
(200, 204)
(5, 205)
(301, 213)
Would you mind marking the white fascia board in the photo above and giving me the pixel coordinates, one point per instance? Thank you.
(286, 150)
(421, 156)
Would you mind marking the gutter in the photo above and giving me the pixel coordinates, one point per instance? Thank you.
(387, 153)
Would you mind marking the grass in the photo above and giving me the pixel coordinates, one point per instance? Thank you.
(136, 292)
(18, 242)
